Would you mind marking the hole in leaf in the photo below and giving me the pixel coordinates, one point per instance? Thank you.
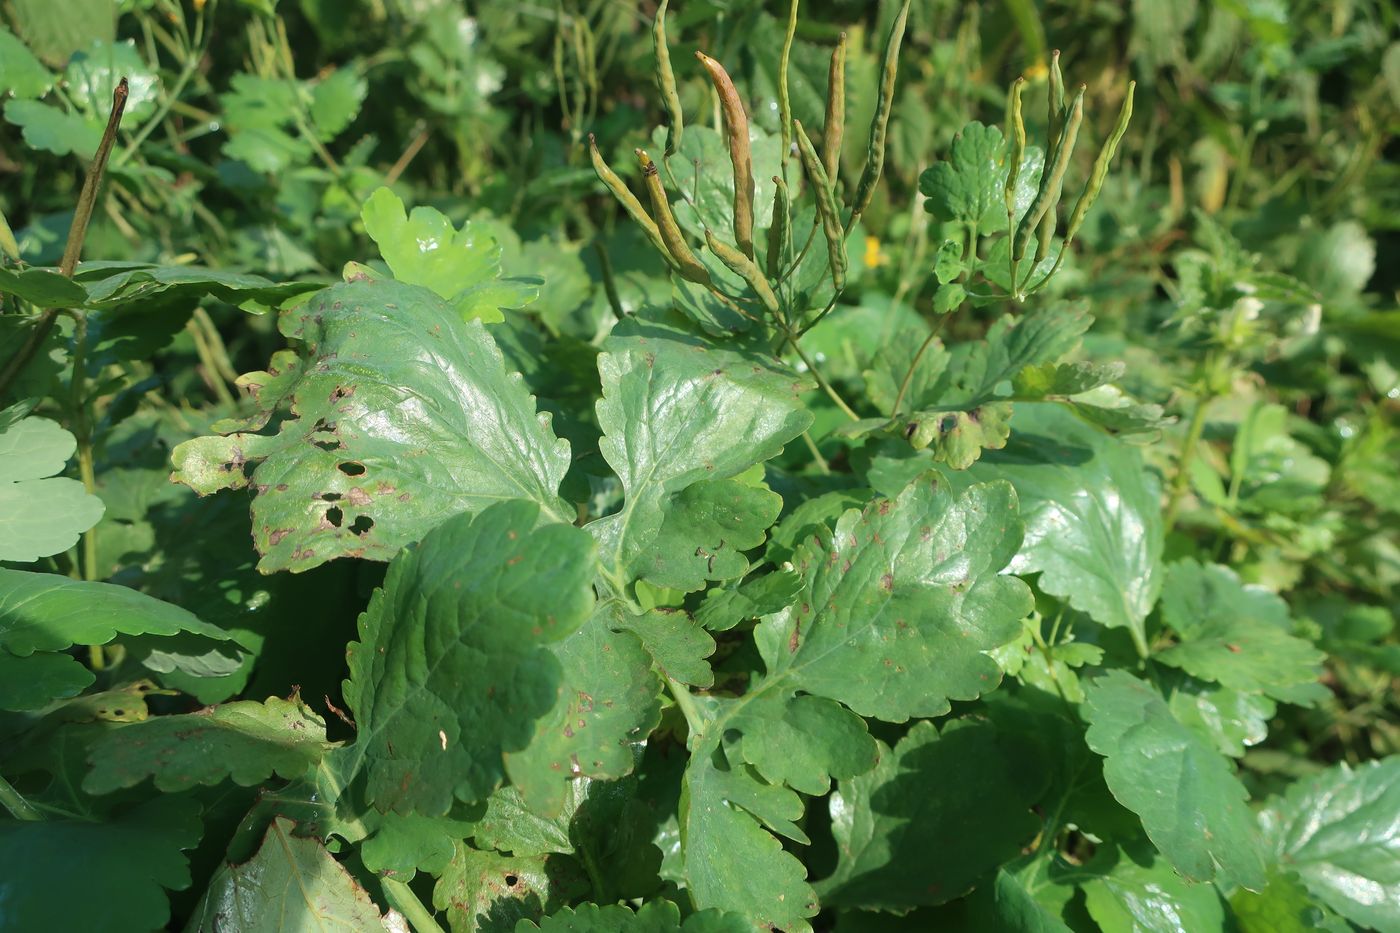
(327, 445)
(362, 525)
(351, 468)
(335, 516)
(511, 881)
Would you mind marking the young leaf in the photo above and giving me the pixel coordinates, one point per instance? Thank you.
(1192, 805)
(966, 783)
(405, 415)
(488, 890)
(245, 741)
(1340, 830)
(453, 667)
(290, 876)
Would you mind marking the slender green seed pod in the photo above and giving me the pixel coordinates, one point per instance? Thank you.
(736, 127)
(1051, 182)
(827, 209)
(884, 102)
(835, 126)
(1016, 132)
(666, 82)
(1100, 172)
(1055, 103)
(686, 264)
(780, 233)
(784, 100)
(746, 269)
(628, 200)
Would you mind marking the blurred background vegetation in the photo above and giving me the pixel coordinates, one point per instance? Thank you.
(1236, 261)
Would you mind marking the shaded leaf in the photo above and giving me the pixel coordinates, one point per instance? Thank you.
(40, 513)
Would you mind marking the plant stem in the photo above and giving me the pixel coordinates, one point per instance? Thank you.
(73, 249)
(19, 808)
(817, 457)
(812, 368)
(923, 348)
(1183, 466)
(686, 703)
(402, 899)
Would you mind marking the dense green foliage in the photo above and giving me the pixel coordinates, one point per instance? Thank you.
(493, 470)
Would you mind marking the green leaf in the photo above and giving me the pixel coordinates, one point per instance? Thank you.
(53, 130)
(706, 529)
(1190, 801)
(1237, 635)
(125, 866)
(452, 667)
(487, 892)
(40, 514)
(46, 612)
(677, 411)
(754, 598)
(336, 100)
(899, 603)
(608, 699)
(1092, 512)
(652, 917)
(257, 112)
(1234, 721)
(1340, 831)
(36, 681)
(965, 783)
(291, 883)
(245, 741)
(1285, 906)
(709, 186)
(1141, 893)
(93, 74)
(21, 74)
(42, 288)
(123, 286)
(968, 185)
(424, 248)
(393, 432)
(676, 641)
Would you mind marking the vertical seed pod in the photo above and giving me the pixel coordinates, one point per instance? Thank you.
(1100, 172)
(1016, 134)
(686, 264)
(746, 269)
(827, 209)
(666, 82)
(1055, 124)
(835, 126)
(628, 200)
(780, 233)
(1051, 182)
(1069, 134)
(784, 100)
(736, 127)
(884, 102)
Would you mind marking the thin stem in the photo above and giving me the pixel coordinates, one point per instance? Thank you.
(822, 465)
(1183, 467)
(414, 146)
(19, 808)
(812, 368)
(686, 704)
(923, 348)
(402, 898)
(609, 280)
(192, 59)
(77, 233)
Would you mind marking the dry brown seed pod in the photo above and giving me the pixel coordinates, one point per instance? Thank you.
(736, 128)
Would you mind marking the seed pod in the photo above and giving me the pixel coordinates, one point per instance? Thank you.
(1055, 102)
(686, 264)
(1016, 133)
(1100, 172)
(827, 209)
(666, 82)
(1051, 182)
(736, 127)
(780, 233)
(628, 200)
(746, 269)
(784, 100)
(875, 157)
(835, 126)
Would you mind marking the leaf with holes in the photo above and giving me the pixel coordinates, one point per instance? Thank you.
(404, 415)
